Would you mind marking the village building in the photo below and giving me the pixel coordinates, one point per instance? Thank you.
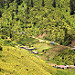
(35, 52)
(41, 40)
(73, 48)
(62, 66)
(52, 42)
(72, 66)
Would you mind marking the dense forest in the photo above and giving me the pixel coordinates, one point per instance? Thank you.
(35, 17)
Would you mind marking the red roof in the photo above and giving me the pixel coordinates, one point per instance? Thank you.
(62, 66)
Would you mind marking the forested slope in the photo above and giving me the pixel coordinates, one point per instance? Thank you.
(54, 18)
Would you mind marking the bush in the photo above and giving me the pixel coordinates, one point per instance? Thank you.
(3, 37)
(0, 48)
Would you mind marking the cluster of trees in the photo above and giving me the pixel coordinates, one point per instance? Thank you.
(72, 6)
(37, 17)
(65, 57)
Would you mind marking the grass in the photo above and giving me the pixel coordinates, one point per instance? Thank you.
(42, 46)
(65, 72)
(16, 61)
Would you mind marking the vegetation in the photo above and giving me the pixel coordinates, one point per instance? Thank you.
(72, 6)
(17, 61)
(37, 17)
(65, 57)
(23, 22)
(65, 72)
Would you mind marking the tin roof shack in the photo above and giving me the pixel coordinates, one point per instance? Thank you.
(35, 52)
(73, 48)
(62, 67)
(41, 40)
(31, 48)
(59, 66)
(52, 42)
(24, 47)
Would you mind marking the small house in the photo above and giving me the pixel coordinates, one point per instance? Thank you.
(73, 48)
(29, 49)
(35, 52)
(52, 42)
(41, 40)
(62, 67)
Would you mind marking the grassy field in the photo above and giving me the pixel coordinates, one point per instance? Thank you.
(42, 46)
(14, 61)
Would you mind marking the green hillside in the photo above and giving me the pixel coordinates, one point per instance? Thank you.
(15, 61)
(34, 24)
(38, 17)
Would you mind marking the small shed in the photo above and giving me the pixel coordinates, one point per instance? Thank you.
(60, 66)
(41, 40)
(35, 52)
(29, 49)
(52, 42)
(73, 48)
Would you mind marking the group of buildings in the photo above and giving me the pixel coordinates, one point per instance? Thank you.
(33, 50)
(64, 67)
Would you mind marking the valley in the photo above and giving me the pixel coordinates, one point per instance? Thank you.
(37, 37)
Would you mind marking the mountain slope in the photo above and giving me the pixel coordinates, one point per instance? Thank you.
(15, 61)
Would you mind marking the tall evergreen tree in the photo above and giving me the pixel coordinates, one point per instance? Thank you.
(54, 3)
(72, 6)
(32, 3)
(1, 3)
(43, 3)
(19, 2)
(28, 7)
(0, 14)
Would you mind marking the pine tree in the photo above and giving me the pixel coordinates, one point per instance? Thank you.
(1, 3)
(31, 3)
(43, 3)
(19, 2)
(0, 14)
(72, 6)
(54, 3)
(28, 7)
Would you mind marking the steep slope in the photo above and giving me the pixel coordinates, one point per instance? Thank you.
(14, 61)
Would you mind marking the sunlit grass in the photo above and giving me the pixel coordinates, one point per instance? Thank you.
(16, 61)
